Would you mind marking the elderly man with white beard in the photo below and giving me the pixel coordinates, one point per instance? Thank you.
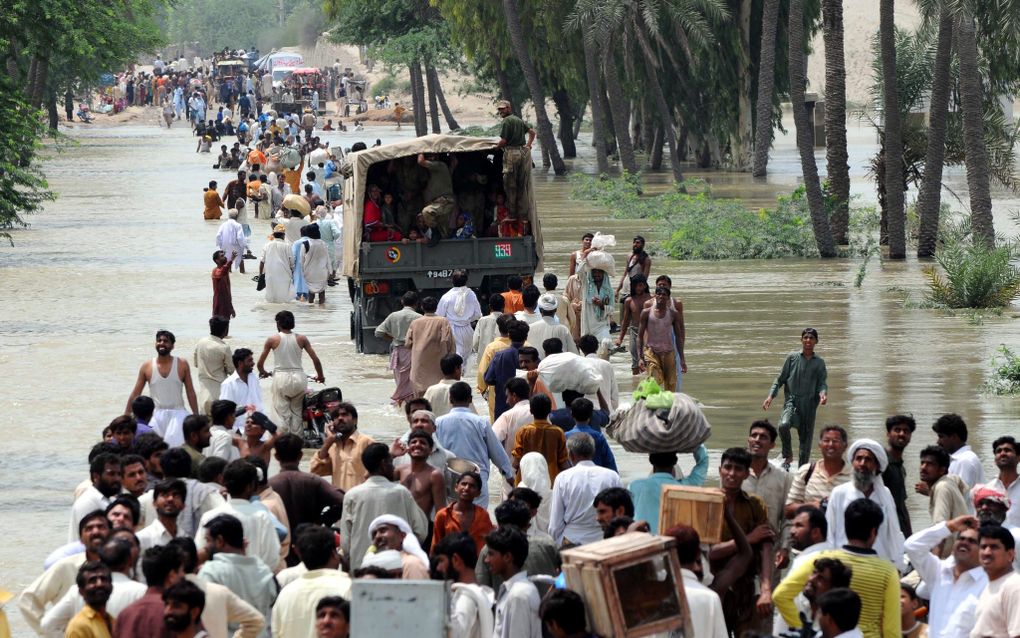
(868, 459)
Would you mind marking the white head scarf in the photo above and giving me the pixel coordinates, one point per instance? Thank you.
(411, 545)
(872, 446)
(388, 559)
(535, 474)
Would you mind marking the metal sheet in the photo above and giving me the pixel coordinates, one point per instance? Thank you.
(399, 608)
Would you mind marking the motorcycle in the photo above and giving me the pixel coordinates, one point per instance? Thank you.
(315, 414)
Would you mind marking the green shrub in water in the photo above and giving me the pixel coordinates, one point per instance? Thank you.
(974, 277)
(1005, 372)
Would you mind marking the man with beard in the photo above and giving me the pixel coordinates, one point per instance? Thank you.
(953, 583)
(808, 531)
(183, 603)
(868, 460)
(946, 492)
(242, 387)
(992, 508)
(93, 529)
(340, 454)
(596, 304)
(899, 430)
(106, 473)
(1005, 450)
(134, 476)
(168, 497)
(873, 577)
(95, 584)
(454, 558)
(168, 377)
(390, 532)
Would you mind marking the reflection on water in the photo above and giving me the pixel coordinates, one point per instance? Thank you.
(124, 252)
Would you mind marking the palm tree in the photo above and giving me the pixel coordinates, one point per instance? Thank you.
(893, 132)
(591, 71)
(929, 199)
(838, 168)
(805, 141)
(766, 82)
(620, 109)
(973, 132)
(520, 49)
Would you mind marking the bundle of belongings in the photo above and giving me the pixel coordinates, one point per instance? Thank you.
(659, 421)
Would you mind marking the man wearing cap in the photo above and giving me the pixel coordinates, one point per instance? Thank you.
(516, 159)
(868, 459)
(547, 326)
(392, 533)
(460, 307)
(803, 379)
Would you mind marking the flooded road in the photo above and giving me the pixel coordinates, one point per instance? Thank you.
(124, 251)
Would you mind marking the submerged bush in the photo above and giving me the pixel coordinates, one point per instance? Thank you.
(1005, 372)
(974, 277)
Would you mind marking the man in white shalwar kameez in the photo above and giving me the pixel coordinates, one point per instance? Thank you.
(460, 307)
(277, 264)
(596, 293)
(315, 264)
(231, 240)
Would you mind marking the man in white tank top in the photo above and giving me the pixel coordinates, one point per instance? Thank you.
(289, 380)
(167, 377)
(659, 335)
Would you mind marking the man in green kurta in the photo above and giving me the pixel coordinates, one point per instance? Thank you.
(516, 160)
(803, 379)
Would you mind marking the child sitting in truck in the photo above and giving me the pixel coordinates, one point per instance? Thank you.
(465, 226)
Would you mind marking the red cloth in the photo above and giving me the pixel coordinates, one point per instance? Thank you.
(373, 224)
(222, 300)
(144, 617)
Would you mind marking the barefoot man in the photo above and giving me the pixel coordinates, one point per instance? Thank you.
(167, 376)
(289, 381)
(425, 482)
(659, 336)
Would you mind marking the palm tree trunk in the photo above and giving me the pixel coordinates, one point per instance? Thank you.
(621, 112)
(929, 199)
(893, 132)
(595, 98)
(835, 119)
(53, 115)
(418, 99)
(433, 76)
(433, 102)
(655, 155)
(816, 203)
(766, 82)
(741, 140)
(520, 49)
(973, 133)
(668, 131)
(565, 111)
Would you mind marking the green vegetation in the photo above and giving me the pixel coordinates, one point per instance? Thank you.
(705, 227)
(973, 277)
(1005, 372)
(23, 188)
(210, 25)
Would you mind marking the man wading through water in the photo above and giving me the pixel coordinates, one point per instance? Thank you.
(803, 379)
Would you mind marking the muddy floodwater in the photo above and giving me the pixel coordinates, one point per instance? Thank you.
(124, 251)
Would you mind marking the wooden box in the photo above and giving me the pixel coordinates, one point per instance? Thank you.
(699, 507)
(631, 585)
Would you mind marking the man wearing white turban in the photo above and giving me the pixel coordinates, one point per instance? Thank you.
(391, 532)
(868, 459)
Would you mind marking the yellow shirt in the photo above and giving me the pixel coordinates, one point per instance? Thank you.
(89, 623)
(344, 461)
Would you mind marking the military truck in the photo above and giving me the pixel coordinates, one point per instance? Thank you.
(382, 272)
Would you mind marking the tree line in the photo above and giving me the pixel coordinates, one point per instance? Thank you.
(703, 81)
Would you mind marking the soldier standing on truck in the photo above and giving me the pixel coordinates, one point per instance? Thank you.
(438, 195)
(516, 159)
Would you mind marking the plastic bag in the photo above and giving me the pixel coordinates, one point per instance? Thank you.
(601, 242)
(568, 371)
(646, 388)
(601, 260)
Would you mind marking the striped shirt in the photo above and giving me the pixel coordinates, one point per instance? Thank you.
(874, 579)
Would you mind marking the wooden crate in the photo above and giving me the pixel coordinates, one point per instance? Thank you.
(699, 507)
(631, 585)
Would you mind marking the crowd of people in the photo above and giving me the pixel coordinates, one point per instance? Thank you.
(181, 529)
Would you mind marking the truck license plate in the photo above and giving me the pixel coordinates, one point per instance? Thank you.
(439, 274)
